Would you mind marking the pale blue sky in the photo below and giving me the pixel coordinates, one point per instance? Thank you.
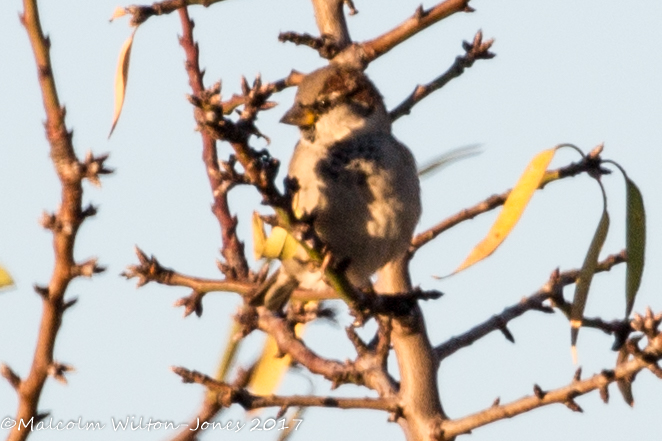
(583, 72)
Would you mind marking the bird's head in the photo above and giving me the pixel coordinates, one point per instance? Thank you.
(334, 102)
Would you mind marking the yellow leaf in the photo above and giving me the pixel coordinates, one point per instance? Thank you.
(512, 209)
(259, 236)
(270, 369)
(121, 78)
(5, 278)
(278, 245)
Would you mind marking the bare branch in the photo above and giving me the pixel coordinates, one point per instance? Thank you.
(587, 165)
(140, 14)
(336, 372)
(150, 270)
(227, 395)
(565, 395)
(64, 225)
(421, 19)
(477, 50)
(331, 22)
(552, 290)
(325, 46)
(235, 265)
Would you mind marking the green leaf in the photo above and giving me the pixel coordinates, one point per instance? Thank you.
(635, 243)
(586, 273)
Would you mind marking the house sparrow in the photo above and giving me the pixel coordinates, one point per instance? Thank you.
(354, 182)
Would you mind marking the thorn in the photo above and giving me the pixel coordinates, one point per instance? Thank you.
(69, 303)
(351, 7)
(89, 211)
(604, 394)
(282, 411)
(572, 405)
(506, 333)
(49, 221)
(41, 416)
(578, 375)
(42, 291)
(496, 402)
(57, 371)
(420, 12)
(88, 268)
(656, 370)
(10, 376)
(142, 257)
(538, 392)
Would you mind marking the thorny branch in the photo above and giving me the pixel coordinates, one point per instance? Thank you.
(64, 225)
(551, 291)
(149, 269)
(260, 169)
(140, 14)
(476, 50)
(226, 395)
(422, 19)
(221, 182)
(589, 164)
(635, 361)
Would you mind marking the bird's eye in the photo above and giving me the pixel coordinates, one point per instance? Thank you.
(324, 103)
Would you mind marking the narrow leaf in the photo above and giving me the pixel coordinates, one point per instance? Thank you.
(121, 78)
(512, 209)
(230, 352)
(5, 278)
(586, 273)
(278, 245)
(259, 236)
(448, 158)
(635, 243)
(270, 369)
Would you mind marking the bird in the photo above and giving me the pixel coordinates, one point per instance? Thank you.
(352, 181)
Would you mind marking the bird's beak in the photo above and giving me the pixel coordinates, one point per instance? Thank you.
(299, 115)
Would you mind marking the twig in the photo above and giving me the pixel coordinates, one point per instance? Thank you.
(421, 19)
(587, 165)
(336, 372)
(150, 270)
(326, 47)
(209, 410)
(331, 22)
(227, 395)
(565, 395)
(140, 13)
(550, 291)
(235, 265)
(64, 225)
(477, 50)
